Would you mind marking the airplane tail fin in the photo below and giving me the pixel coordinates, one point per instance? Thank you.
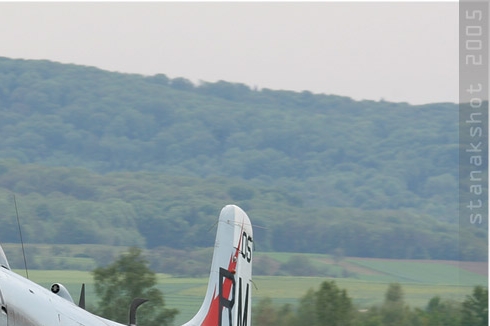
(228, 300)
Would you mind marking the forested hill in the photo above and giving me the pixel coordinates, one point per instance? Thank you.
(308, 154)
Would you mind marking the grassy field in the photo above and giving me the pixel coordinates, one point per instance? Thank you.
(366, 285)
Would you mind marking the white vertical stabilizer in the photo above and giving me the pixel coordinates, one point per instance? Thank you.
(228, 300)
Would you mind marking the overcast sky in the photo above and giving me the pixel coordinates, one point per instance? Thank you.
(402, 52)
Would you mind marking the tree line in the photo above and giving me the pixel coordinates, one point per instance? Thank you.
(330, 305)
(60, 205)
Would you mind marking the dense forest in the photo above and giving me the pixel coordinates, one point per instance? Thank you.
(122, 159)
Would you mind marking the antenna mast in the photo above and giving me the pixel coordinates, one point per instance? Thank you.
(21, 239)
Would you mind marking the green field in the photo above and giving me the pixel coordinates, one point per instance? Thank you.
(421, 280)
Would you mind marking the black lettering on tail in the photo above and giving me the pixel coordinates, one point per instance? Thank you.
(242, 321)
(224, 302)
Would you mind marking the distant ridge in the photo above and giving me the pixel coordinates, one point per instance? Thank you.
(324, 162)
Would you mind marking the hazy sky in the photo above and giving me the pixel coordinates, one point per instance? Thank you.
(390, 50)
